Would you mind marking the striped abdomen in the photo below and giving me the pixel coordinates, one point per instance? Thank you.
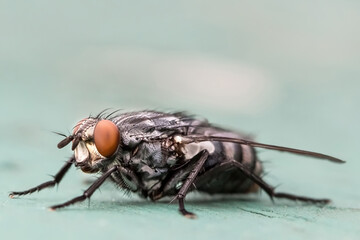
(228, 179)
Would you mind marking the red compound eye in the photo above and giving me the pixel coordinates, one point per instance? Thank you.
(106, 137)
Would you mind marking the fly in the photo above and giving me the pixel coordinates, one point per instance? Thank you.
(158, 154)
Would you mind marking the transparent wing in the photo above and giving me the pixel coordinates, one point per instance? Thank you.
(196, 138)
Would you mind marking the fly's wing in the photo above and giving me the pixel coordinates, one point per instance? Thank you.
(197, 138)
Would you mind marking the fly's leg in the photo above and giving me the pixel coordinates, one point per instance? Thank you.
(188, 182)
(269, 189)
(89, 191)
(57, 179)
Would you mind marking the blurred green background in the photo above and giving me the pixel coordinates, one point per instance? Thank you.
(286, 71)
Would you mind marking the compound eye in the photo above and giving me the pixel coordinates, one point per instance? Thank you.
(106, 137)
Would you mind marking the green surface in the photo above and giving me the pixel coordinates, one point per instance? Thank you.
(286, 72)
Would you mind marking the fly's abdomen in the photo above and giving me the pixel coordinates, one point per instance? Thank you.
(229, 179)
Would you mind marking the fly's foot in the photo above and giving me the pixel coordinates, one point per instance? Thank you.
(182, 209)
(56, 207)
(187, 214)
(17, 194)
(53, 208)
(301, 198)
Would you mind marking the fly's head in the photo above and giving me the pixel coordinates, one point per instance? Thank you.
(93, 142)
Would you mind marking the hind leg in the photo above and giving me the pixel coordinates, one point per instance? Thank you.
(270, 190)
(262, 184)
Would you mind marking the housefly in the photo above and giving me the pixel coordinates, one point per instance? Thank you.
(158, 154)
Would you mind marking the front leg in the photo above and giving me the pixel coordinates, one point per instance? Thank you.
(89, 191)
(189, 181)
(57, 179)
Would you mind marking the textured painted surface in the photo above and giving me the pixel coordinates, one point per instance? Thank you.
(286, 72)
